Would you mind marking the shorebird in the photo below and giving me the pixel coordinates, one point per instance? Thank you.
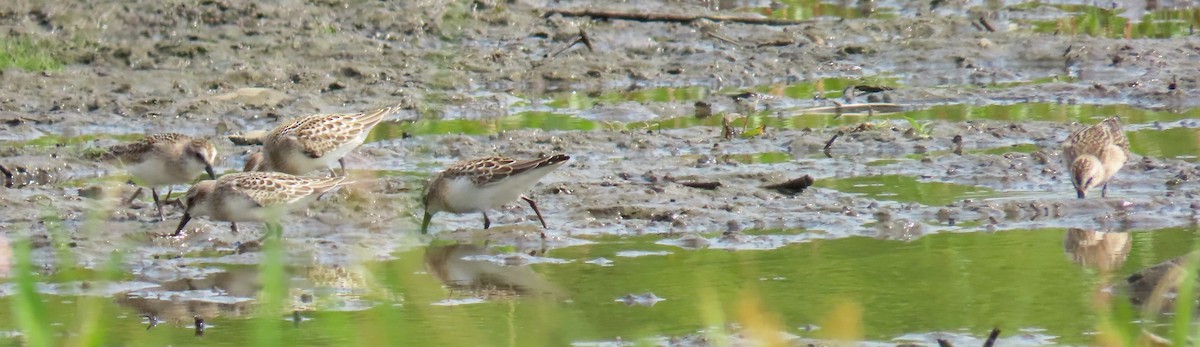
(314, 142)
(164, 159)
(481, 184)
(1094, 154)
(252, 196)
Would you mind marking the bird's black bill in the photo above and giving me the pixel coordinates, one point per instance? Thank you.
(182, 223)
(211, 174)
(1080, 194)
(425, 223)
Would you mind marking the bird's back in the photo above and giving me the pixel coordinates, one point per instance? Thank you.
(274, 188)
(320, 134)
(135, 152)
(1095, 139)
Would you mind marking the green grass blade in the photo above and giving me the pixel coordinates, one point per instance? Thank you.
(27, 305)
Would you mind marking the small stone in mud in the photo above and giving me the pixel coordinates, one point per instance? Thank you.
(199, 323)
(703, 110)
(249, 138)
(647, 299)
(92, 192)
(693, 241)
(792, 187)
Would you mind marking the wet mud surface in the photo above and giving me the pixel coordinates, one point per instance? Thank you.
(222, 68)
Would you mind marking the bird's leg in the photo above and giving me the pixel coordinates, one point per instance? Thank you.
(487, 223)
(1104, 190)
(533, 205)
(167, 197)
(134, 196)
(342, 161)
(158, 203)
(233, 227)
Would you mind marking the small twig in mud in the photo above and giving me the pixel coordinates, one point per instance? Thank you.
(992, 337)
(957, 144)
(669, 17)
(587, 40)
(776, 43)
(701, 185)
(727, 131)
(1150, 339)
(837, 109)
(792, 187)
(829, 144)
(722, 38)
(8, 176)
(582, 38)
(153, 321)
(986, 25)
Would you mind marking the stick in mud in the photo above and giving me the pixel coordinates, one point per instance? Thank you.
(8, 176)
(957, 144)
(986, 25)
(701, 185)
(153, 321)
(794, 186)
(992, 337)
(829, 143)
(727, 131)
(582, 38)
(669, 17)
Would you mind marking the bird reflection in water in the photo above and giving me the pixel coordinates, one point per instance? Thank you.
(1104, 252)
(1098, 250)
(485, 278)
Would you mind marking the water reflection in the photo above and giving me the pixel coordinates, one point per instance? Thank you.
(181, 301)
(234, 292)
(1099, 250)
(479, 276)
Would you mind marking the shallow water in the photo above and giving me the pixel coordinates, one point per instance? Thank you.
(1016, 280)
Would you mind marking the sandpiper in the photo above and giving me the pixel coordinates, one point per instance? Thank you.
(481, 184)
(314, 142)
(252, 196)
(1094, 154)
(164, 159)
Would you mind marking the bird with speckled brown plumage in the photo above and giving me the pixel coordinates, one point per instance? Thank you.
(164, 159)
(482, 184)
(315, 142)
(1094, 154)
